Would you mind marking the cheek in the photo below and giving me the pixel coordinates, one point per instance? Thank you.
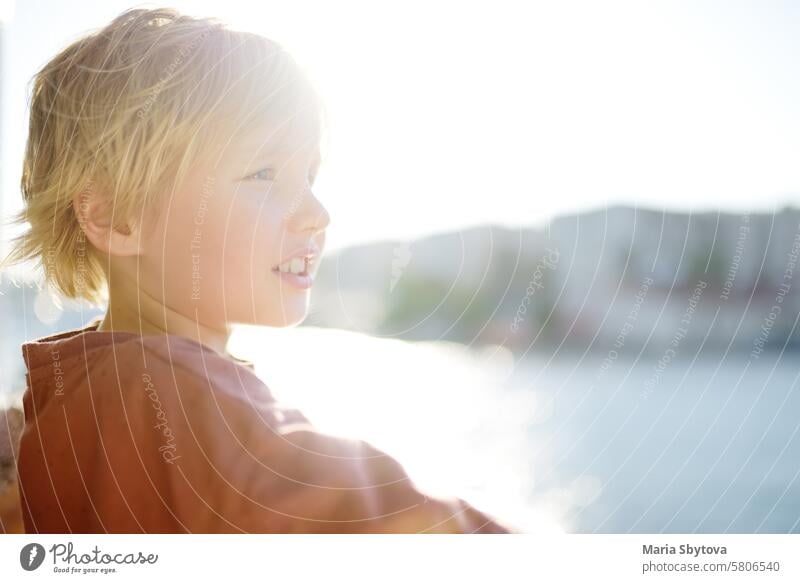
(251, 240)
(224, 244)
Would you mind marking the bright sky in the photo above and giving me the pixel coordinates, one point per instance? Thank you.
(445, 115)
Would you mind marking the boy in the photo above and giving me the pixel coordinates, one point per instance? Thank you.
(170, 167)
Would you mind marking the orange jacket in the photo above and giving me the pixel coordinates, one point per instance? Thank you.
(129, 434)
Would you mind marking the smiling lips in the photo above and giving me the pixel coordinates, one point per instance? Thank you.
(296, 269)
(297, 274)
(299, 262)
(296, 265)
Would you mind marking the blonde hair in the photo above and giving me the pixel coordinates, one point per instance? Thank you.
(128, 109)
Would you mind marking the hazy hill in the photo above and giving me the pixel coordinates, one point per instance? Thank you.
(575, 281)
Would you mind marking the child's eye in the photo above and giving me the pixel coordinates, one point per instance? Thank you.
(263, 174)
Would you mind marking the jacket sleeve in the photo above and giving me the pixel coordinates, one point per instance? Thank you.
(332, 484)
(244, 468)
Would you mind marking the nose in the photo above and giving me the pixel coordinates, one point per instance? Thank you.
(311, 216)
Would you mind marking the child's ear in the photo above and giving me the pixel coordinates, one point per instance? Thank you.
(93, 211)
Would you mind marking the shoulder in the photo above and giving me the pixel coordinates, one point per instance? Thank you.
(177, 365)
(176, 391)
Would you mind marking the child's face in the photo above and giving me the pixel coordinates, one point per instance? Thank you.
(222, 236)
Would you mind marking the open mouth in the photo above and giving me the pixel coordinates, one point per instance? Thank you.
(297, 266)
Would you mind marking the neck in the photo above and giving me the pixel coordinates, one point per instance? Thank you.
(143, 314)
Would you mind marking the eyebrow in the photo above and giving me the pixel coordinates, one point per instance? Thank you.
(266, 155)
(284, 144)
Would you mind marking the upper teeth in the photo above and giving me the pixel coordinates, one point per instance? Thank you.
(295, 265)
